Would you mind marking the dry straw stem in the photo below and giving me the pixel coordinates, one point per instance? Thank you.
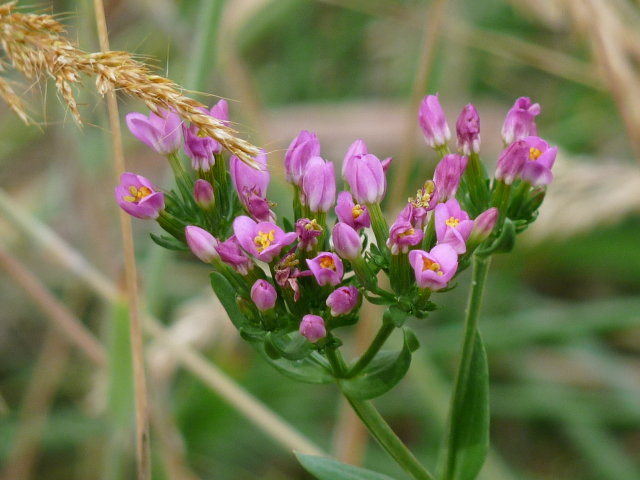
(36, 46)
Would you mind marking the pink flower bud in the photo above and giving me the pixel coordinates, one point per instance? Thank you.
(263, 295)
(202, 243)
(365, 176)
(251, 186)
(434, 269)
(318, 185)
(512, 161)
(356, 149)
(342, 300)
(312, 328)
(346, 241)
(327, 268)
(468, 130)
(203, 194)
(301, 149)
(137, 196)
(160, 132)
(433, 122)
(232, 254)
(483, 226)
(520, 120)
(447, 176)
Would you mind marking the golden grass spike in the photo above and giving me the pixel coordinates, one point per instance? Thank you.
(35, 45)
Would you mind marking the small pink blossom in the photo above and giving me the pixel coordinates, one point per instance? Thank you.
(435, 268)
(351, 213)
(263, 240)
(453, 226)
(137, 196)
(327, 268)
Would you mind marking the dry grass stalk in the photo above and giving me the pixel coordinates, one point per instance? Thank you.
(36, 46)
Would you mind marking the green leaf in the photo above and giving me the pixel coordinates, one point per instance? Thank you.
(291, 346)
(170, 243)
(327, 469)
(383, 373)
(227, 296)
(469, 430)
(307, 370)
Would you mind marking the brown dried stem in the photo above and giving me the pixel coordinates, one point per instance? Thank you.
(36, 46)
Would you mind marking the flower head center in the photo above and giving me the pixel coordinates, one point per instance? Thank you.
(264, 240)
(428, 264)
(137, 194)
(313, 225)
(356, 211)
(534, 153)
(452, 222)
(327, 262)
(409, 231)
(423, 196)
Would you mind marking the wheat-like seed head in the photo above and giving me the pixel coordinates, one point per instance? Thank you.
(36, 46)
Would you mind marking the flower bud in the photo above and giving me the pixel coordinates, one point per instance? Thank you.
(356, 149)
(137, 196)
(468, 130)
(233, 255)
(447, 176)
(203, 194)
(520, 120)
(346, 241)
(263, 295)
(202, 243)
(159, 131)
(312, 328)
(301, 149)
(365, 176)
(342, 300)
(251, 186)
(433, 122)
(483, 226)
(512, 161)
(318, 185)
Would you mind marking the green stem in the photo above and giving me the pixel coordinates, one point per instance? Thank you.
(379, 225)
(381, 431)
(478, 278)
(184, 182)
(381, 337)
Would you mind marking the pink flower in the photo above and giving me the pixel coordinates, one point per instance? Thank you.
(537, 171)
(232, 254)
(520, 120)
(301, 149)
(312, 328)
(403, 233)
(468, 130)
(365, 176)
(251, 186)
(308, 232)
(318, 185)
(263, 295)
(434, 269)
(160, 132)
(353, 214)
(342, 300)
(346, 241)
(453, 226)
(263, 240)
(202, 149)
(202, 243)
(447, 176)
(433, 122)
(327, 268)
(137, 196)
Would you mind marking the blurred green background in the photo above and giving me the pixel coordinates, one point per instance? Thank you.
(560, 320)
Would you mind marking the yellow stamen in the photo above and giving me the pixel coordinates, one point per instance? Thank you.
(452, 222)
(406, 233)
(264, 240)
(137, 194)
(534, 153)
(431, 265)
(423, 196)
(313, 225)
(356, 211)
(327, 262)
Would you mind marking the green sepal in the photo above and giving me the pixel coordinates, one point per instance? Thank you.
(328, 469)
(395, 316)
(288, 225)
(385, 370)
(468, 437)
(291, 346)
(504, 243)
(170, 243)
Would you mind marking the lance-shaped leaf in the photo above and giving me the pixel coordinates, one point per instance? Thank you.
(327, 469)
